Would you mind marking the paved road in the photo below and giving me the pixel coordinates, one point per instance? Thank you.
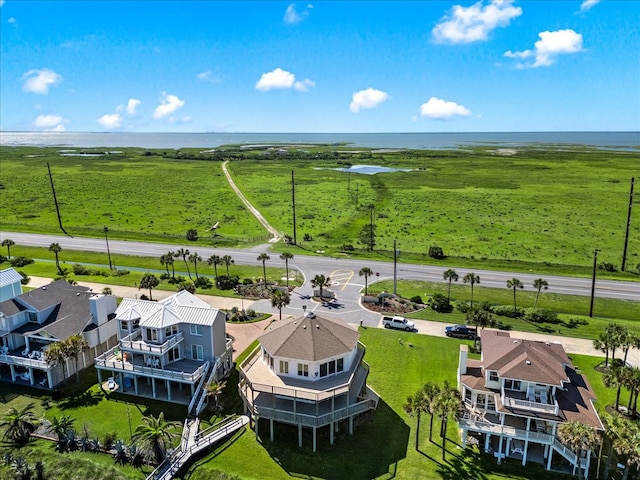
(311, 265)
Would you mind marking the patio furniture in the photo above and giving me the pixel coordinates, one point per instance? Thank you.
(517, 446)
(156, 363)
(43, 382)
(25, 352)
(543, 397)
(111, 383)
(4, 350)
(25, 376)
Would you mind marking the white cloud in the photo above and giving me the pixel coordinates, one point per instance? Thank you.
(111, 121)
(168, 105)
(11, 20)
(291, 15)
(39, 81)
(1, 3)
(439, 109)
(550, 45)
(132, 104)
(473, 24)
(304, 86)
(368, 98)
(53, 123)
(588, 5)
(208, 76)
(180, 120)
(277, 78)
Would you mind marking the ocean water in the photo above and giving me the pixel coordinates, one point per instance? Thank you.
(426, 141)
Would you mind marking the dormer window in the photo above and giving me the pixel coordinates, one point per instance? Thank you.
(284, 367)
(493, 376)
(33, 317)
(512, 384)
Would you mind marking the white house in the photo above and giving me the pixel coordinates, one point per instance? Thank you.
(308, 372)
(31, 321)
(518, 394)
(168, 350)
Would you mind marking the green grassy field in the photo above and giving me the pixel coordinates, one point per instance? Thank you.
(546, 207)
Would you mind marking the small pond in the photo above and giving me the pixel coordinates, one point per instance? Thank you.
(371, 169)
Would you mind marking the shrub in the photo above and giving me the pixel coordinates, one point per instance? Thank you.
(307, 237)
(119, 273)
(609, 267)
(165, 276)
(575, 321)
(541, 315)
(203, 282)
(440, 303)
(192, 235)
(109, 439)
(247, 281)
(107, 291)
(3, 259)
(462, 305)
(347, 247)
(251, 312)
(80, 269)
(508, 311)
(436, 252)
(228, 282)
(25, 278)
(143, 297)
(20, 261)
(188, 286)
(416, 299)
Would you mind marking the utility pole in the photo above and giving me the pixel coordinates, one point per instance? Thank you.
(593, 280)
(55, 199)
(626, 235)
(106, 237)
(371, 229)
(293, 204)
(395, 267)
(357, 190)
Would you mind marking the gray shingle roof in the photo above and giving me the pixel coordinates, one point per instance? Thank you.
(309, 339)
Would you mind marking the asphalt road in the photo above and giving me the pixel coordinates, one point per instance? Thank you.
(310, 265)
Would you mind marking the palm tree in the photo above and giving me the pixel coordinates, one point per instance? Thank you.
(7, 242)
(56, 355)
(227, 260)
(170, 256)
(632, 382)
(613, 428)
(195, 258)
(614, 378)
(286, 256)
(320, 281)
(263, 257)
(539, 284)
(366, 272)
(184, 253)
(480, 317)
(578, 437)
(472, 279)
(514, 283)
(279, 300)
(430, 392)
(60, 426)
(214, 260)
(155, 435)
(19, 424)
(447, 403)
(73, 347)
(415, 406)
(150, 281)
(56, 249)
(165, 260)
(451, 276)
(601, 343)
(214, 389)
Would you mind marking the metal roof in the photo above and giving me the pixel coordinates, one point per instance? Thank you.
(9, 276)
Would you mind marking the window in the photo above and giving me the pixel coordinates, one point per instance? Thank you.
(284, 367)
(152, 335)
(169, 331)
(493, 376)
(33, 317)
(512, 384)
(195, 330)
(303, 370)
(340, 365)
(136, 324)
(323, 369)
(197, 352)
(332, 367)
(124, 325)
(174, 354)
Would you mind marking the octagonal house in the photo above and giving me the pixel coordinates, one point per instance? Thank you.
(308, 372)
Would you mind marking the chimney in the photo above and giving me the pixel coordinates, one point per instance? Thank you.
(101, 306)
(462, 366)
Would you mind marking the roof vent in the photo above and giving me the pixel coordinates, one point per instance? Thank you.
(548, 344)
(528, 362)
(304, 326)
(44, 288)
(318, 327)
(295, 323)
(515, 341)
(78, 294)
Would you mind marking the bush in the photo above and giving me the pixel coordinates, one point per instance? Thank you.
(575, 321)
(20, 261)
(165, 276)
(307, 237)
(25, 278)
(251, 312)
(119, 273)
(188, 286)
(247, 281)
(203, 282)
(3, 259)
(609, 267)
(462, 305)
(192, 235)
(436, 252)
(347, 247)
(416, 299)
(440, 303)
(143, 297)
(228, 282)
(508, 311)
(541, 315)
(80, 269)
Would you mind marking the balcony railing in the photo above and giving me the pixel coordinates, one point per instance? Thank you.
(511, 402)
(496, 428)
(24, 361)
(134, 343)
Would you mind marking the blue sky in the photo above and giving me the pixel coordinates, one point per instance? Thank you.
(431, 66)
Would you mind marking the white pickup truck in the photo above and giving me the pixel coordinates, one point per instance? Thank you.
(399, 323)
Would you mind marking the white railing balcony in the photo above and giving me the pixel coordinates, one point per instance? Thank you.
(511, 402)
(495, 428)
(134, 343)
(24, 361)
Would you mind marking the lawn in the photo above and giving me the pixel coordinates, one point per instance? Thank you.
(546, 208)
(382, 447)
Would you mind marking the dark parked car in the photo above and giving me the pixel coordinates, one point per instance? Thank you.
(460, 331)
